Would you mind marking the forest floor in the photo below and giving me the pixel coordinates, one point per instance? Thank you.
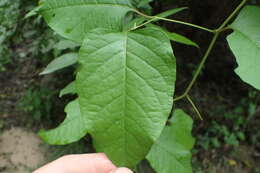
(21, 150)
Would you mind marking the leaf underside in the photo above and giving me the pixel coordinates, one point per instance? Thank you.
(125, 87)
(74, 18)
(171, 152)
(245, 44)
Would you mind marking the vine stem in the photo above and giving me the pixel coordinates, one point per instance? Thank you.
(185, 23)
(194, 106)
(152, 18)
(232, 15)
(212, 43)
(216, 33)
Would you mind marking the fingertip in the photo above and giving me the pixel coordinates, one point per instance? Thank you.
(102, 155)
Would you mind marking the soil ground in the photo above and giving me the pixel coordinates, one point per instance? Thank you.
(20, 151)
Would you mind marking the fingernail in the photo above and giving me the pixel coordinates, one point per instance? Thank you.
(121, 170)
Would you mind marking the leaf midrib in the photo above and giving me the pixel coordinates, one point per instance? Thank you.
(125, 74)
(247, 37)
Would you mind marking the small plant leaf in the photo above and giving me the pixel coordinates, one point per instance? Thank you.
(33, 12)
(181, 39)
(139, 20)
(170, 12)
(245, 44)
(143, 5)
(66, 44)
(133, 23)
(60, 63)
(125, 87)
(175, 37)
(73, 19)
(171, 152)
(69, 89)
(70, 130)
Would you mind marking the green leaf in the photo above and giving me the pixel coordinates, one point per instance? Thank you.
(171, 152)
(181, 39)
(139, 20)
(33, 12)
(175, 37)
(69, 89)
(73, 19)
(133, 23)
(125, 86)
(60, 62)
(143, 5)
(70, 130)
(170, 12)
(245, 44)
(66, 44)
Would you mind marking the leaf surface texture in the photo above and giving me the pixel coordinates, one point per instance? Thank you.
(125, 86)
(70, 130)
(245, 44)
(171, 152)
(74, 18)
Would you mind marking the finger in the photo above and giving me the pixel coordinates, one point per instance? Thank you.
(85, 163)
(121, 170)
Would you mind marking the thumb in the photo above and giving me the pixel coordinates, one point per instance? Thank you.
(121, 170)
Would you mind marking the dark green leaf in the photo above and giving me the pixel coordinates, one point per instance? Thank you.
(181, 39)
(175, 37)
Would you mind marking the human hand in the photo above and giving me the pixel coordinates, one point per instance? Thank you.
(84, 163)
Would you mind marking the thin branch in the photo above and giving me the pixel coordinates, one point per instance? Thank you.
(152, 18)
(216, 34)
(202, 63)
(186, 23)
(194, 106)
(232, 15)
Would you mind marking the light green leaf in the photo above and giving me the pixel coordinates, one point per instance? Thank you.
(125, 86)
(245, 44)
(60, 62)
(69, 89)
(74, 18)
(33, 12)
(66, 44)
(70, 130)
(171, 152)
